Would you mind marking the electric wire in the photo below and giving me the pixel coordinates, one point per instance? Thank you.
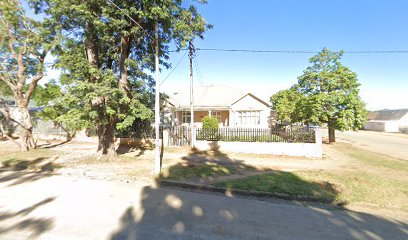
(294, 51)
(173, 68)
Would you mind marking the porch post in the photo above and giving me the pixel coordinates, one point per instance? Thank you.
(231, 119)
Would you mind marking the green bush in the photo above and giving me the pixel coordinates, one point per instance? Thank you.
(210, 122)
(209, 131)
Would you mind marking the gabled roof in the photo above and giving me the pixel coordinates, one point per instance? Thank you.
(258, 99)
(220, 96)
(387, 115)
(207, 96)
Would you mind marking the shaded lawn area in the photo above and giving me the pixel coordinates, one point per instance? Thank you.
(292, 184)
(37, 160)
(378, 181)
(187, 171)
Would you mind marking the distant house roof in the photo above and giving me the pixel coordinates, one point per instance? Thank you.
(387, 115)
(210, 96)
(11, 102)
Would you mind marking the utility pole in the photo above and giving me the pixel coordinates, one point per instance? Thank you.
(157, 160)
(191, 48)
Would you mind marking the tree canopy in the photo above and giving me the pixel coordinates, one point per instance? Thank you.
(285, 102)
(107, 57)
(24, 44)
(329, 94)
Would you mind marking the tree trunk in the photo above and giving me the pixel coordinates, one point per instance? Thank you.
(332, 134)
(124, 54)
(106, 142)
(26, 133)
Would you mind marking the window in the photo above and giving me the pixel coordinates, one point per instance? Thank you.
(248, 118)
(217, 115)
(186, 117)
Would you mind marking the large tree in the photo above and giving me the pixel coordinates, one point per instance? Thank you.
(108, 55)
(24, 44)
(331, 94)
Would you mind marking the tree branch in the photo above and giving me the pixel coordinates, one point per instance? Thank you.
(37, 78)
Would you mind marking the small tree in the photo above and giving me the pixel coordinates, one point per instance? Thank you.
(210, 128)
(285, 103)
(331, 94)
(210, 122)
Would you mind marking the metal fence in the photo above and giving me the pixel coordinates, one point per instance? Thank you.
(300, 135)
(179, 135)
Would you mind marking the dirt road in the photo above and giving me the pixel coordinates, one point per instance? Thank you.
(391, 144)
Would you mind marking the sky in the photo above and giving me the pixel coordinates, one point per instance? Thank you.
(311, 25)
(306, 25)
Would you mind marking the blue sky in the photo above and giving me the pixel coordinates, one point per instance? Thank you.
(301, 25)
(310, 25)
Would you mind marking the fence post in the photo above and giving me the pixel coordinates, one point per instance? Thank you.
(318, 142)
(193, 136)
(165, 137)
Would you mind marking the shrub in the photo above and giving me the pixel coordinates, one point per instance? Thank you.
(210, 129)
(210, 122)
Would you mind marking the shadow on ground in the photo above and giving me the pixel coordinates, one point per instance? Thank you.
(139, 147)
(17, 170)
(168, 213)
(214, 167)
(172, 214)
(50, 145)
(34, 226)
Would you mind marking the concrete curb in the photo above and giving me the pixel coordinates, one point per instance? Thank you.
(171, 183)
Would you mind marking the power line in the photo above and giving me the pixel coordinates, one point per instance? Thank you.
(172, 70)
(197, 68)
(252, 51)
(300, 51)
(262, 51)
(295, 51)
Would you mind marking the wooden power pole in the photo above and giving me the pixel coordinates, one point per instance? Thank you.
(192, 140)
(157, 160)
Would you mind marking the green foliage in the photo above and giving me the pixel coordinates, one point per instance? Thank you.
(5, 89)
(285, 103)
(209, 130)
(210, 122)
(24, 42)
(327, 92)
(331, 93)
(55, 108)
(107, 59)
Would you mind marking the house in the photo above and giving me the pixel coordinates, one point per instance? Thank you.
(232, 108)
(388, 120)
(40, 126)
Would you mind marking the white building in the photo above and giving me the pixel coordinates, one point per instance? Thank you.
(232, 108)
(388, 121)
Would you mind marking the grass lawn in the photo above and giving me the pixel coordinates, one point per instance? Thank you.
(185, 171)
(330, 187)
(373, 180)
(292, 184)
